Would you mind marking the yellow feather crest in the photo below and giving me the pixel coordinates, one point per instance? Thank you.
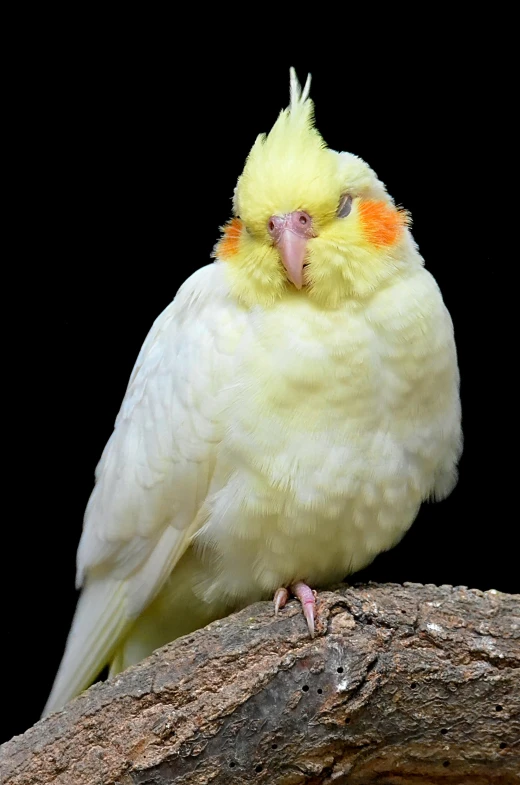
(274, 181)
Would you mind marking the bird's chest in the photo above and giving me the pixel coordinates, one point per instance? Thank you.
(308, 400)
(307, 456)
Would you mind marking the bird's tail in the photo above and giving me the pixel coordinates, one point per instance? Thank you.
(99, 622)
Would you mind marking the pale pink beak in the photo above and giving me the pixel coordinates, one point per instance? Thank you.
(290, 234)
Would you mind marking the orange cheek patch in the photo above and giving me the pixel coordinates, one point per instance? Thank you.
(382, 223)
(227, 246)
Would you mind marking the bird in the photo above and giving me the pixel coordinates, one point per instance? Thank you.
(288, 413)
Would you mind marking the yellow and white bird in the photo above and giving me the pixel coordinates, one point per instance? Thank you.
(287, 414)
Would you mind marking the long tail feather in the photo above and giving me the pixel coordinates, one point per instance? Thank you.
(99, 622)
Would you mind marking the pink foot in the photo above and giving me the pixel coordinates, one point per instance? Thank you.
(306, 597)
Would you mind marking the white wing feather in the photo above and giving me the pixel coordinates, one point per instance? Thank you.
(150, 482)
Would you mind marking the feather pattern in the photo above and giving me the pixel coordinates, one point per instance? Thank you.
(138, 522)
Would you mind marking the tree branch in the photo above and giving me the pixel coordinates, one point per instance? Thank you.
(403, 684)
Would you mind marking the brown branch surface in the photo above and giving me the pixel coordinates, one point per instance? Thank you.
(403, 684)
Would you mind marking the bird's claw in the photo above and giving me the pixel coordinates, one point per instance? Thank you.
(280, 598)
(306, 596)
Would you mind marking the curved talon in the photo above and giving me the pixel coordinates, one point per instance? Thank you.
(280, 598)
(307, 599)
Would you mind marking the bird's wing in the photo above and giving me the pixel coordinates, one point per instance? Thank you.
(152, 477)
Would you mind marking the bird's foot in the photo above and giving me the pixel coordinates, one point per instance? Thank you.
(306, 596)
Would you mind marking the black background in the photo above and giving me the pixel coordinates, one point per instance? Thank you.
(129, 156)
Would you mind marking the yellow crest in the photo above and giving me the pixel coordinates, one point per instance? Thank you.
(289, 169)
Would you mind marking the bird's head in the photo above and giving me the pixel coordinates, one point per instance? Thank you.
(308, 221)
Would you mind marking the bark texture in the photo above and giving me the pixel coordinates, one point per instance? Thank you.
(402, 684)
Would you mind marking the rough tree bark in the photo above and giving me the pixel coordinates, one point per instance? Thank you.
(403, 684)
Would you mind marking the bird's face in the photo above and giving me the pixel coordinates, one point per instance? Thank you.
(309, 222)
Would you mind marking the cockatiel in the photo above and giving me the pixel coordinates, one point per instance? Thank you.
(287, 414)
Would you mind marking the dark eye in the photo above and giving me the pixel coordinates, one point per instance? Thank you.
(345, 206)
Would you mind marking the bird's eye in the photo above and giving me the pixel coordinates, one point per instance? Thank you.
(345, 206)
(303, 219)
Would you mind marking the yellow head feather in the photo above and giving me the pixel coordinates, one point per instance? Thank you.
(292, 169)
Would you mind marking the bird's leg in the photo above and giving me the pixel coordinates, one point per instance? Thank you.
(306, 597)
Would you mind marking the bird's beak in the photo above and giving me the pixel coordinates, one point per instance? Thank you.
(290, 234)
(293, 248)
